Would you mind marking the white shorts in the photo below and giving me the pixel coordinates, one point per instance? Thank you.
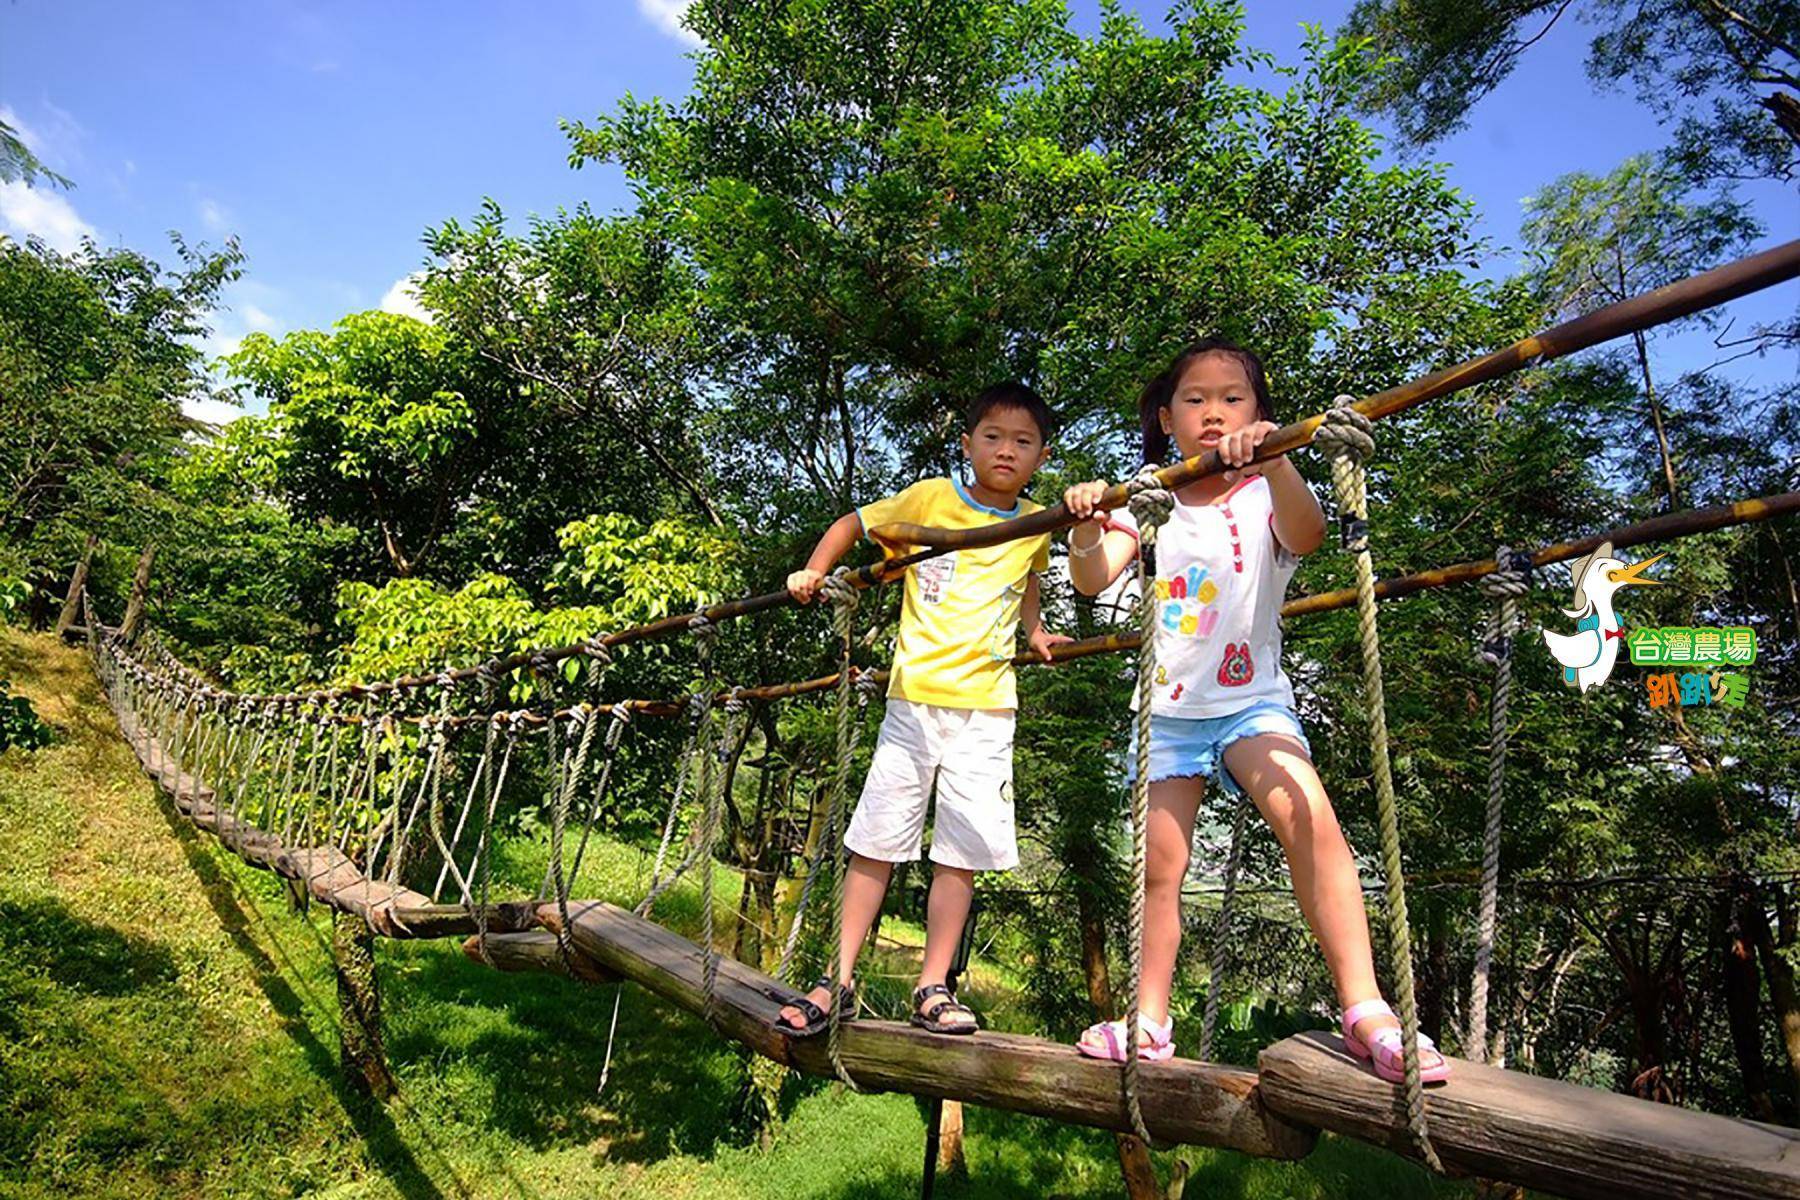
(969, 752)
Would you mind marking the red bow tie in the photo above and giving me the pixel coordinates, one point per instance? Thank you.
(1618, 633)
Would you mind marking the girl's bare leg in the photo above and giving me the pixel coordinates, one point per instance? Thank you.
(1173, 806)
(1279, 776)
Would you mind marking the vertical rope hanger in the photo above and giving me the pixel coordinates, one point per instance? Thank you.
(844, 599)
(1506, 584)
(1346, 437)
(1151, 505)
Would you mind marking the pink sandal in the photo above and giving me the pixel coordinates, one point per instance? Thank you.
(1158, 1049)
(1387, 1055)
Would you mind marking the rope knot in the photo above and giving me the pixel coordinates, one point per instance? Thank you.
(446, 679)
(1511, 575)
(837, 588)
(867, 686)
(698, 705)
(597, 650)
(735, 702)
(577, 716)
(1345, 433)
(1150, 502)
(540, 663)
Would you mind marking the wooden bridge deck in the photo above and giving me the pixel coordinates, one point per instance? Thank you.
(1550, 1136)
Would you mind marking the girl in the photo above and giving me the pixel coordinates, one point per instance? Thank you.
(1223, 709)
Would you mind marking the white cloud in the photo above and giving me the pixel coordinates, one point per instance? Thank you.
(213, 412)
(403, 298)
(666, 16)
(256, 318)
(41, 213)
(214, 215)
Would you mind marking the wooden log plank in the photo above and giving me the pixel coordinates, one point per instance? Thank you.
(536, 951)
(1550, 1136)
(1183, 1100)
(427, 920)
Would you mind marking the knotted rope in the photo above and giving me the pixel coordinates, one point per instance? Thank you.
(844, 599)
(1151, 505)
(735, 709)
(1346, 437)
(1506, 583)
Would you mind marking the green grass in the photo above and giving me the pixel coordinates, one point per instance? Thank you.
(167, 1028)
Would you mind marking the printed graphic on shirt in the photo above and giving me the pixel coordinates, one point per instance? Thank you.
(1187, 604)
(934, 576)
(1002, 631)
(1236, 668)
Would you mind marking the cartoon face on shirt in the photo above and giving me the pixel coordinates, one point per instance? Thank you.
(1188, 603)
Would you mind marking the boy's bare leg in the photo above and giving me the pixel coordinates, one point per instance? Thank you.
(946, 912)
(1278, 775)
(865, 885)
(1174, 804)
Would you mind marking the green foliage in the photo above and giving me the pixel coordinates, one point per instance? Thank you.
(1729, 74)
(379, 425)
(19, 723)
(618, 571)
(1595, 241)
(96, 357)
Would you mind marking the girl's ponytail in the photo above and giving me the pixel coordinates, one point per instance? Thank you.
(1154, 398)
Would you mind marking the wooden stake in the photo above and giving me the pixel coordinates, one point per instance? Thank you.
(77, 583)
(140, 584)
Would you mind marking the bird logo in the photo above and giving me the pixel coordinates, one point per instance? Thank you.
(1587, 655)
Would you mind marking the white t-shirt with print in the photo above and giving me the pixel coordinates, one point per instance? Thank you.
(1221, 576)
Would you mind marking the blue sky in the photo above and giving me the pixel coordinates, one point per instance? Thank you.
(328, 136)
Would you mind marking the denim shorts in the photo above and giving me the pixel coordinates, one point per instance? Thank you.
(1190, 747)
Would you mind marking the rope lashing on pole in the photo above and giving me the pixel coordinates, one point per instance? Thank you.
(1346, 437)
(735, 709)
(1151, 506)
(1506, 584)
(844, 599)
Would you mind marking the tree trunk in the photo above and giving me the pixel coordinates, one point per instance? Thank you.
(1134, 1158)
(1743, 991)
(1784, 998)
(77, 583)
(359, 1007)
(140, 585)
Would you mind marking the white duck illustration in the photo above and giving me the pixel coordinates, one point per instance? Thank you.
(1587, 654)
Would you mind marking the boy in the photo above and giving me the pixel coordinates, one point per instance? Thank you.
(950, 700)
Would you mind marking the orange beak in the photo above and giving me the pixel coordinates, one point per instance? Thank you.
(1635, 573)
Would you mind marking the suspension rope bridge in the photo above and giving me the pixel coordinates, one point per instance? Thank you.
(382, 800)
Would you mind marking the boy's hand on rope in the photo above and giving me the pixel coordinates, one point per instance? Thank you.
(1041, 640)
(803, 584)
(1238, 447)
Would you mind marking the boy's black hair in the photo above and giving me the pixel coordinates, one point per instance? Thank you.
(1011, 394)
(1159, 393)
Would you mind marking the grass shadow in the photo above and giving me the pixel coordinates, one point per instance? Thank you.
(673, 1084)
(388, 1151)
(78, 954)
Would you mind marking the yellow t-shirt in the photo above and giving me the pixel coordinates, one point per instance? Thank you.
(960, 622)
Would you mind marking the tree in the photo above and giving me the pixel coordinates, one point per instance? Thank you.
(96, 358)
(386, 424)
(889, 208)
(1595, 242)
(1730, 72)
